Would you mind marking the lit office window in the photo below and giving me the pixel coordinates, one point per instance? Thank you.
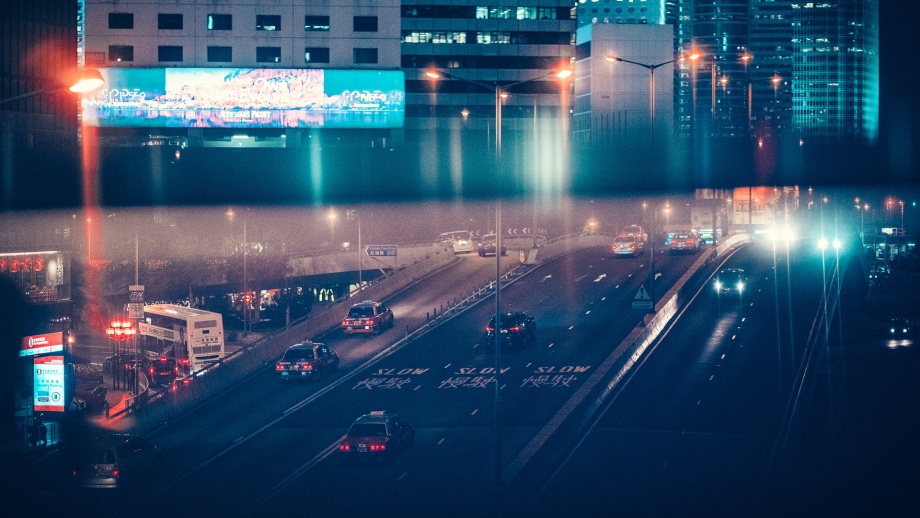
(220, 22)
(268, 22)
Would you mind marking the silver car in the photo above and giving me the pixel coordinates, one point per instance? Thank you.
(462, 241)
(114, 461)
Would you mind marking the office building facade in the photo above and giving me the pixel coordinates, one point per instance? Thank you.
(475, 40)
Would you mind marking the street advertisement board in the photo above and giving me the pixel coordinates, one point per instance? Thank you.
(48, 386)
(247, 98)
(42, 344)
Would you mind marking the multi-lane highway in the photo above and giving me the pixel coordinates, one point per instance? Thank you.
(697, 426)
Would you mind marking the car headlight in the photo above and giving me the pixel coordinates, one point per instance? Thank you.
(718, 286)
(740, 287)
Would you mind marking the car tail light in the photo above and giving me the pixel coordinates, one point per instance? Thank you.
(344, 447)
(176, 369)
(163, 359)
(279, 367)
(490, 329)
(377, 447)
(184, 361)
(114, 473)
(515, 328)
(344, 322)
(151, 371)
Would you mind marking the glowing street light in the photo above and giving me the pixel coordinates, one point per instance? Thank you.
(84, 80)
(651, 79)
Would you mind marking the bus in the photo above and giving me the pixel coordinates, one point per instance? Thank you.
(195, 337)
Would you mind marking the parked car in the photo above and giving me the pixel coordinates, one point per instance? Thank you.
(307, 360)
(487, 246)
(517, 329)
(377, 436)
(114, 461)
(367, 317)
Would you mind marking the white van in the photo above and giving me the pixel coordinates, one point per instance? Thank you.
(462, 241)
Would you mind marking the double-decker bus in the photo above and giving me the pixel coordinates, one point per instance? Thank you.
(196, 336)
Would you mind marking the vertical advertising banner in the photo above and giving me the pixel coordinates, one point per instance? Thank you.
(49, 384)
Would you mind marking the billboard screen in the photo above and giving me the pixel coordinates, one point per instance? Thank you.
(247, 98)
(49, 384)
(42, 344)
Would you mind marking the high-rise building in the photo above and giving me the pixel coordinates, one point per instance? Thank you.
(38, 123)
(773, 68)
(835, 74)
(475, 40)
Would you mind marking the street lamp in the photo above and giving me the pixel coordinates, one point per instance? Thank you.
(651, 81)
(84, 80)
(501, 93)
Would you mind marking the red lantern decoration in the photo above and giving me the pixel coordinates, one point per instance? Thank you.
(2, 265)
(27, 264)
(14, 265)
(38, 264)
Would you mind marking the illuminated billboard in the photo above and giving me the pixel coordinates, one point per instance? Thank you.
(49, 384)
(247, 98)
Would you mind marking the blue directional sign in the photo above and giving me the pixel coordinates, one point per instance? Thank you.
(380, 250)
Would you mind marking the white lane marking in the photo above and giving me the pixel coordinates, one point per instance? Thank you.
(723, 357)
(528, 365)
(698, 402)
(474, 411)
(578, 279)
(403, 475)
(603, 298)
(742, 318)
(547, 277)
(601, 277)
(588, 312)
(295, 475)
(710, 377)
(630, 275)
(446, 366)
(571, 327)
(616, 287)
(503, 387)
(240, 438)
(733, 336)
(752, 303)
(549, 345)
(417, 387)
(442, 440)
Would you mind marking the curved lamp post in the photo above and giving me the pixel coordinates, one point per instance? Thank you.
(87, 79)
(501, 92)
(651, 81)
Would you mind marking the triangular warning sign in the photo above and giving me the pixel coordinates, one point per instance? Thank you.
(642, 294)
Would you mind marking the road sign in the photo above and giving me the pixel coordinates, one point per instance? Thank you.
(136, 302)
(642, 299)
(380, 250)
